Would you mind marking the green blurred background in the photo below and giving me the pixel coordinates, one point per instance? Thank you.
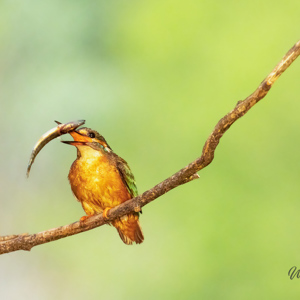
(154, 77)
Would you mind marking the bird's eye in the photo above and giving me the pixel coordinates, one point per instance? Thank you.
(92, 135)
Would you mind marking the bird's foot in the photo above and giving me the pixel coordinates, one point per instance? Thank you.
(82, 219)
(105, 211)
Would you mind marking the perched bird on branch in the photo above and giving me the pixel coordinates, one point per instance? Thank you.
(100, 180)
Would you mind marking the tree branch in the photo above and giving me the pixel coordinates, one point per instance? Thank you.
(27, 241)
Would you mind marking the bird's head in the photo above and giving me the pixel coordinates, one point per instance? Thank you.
(86, 137)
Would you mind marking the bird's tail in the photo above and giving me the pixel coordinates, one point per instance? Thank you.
(129, 228)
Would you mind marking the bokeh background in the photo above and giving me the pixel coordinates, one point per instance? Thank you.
(154, 77)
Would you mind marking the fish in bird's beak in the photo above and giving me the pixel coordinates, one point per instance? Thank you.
(50, 135)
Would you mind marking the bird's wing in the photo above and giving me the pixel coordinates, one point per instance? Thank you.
(127, 176)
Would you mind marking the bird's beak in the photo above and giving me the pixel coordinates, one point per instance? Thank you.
(73, 143)
(78, 139)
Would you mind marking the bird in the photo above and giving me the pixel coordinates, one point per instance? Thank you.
(100, 180)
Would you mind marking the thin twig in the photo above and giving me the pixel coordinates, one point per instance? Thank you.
(27, 241)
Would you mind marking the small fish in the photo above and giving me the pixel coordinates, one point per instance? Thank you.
(49, 136)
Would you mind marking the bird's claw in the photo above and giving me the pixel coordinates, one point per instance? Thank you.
(105, 212)
(82, 219)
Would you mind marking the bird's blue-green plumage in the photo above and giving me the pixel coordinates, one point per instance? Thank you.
(127, 176)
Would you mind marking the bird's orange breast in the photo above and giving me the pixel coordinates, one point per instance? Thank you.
(96, 183)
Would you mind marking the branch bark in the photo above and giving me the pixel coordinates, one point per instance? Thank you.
(27, 241)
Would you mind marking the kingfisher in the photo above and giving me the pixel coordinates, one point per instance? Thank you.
(100, 180)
